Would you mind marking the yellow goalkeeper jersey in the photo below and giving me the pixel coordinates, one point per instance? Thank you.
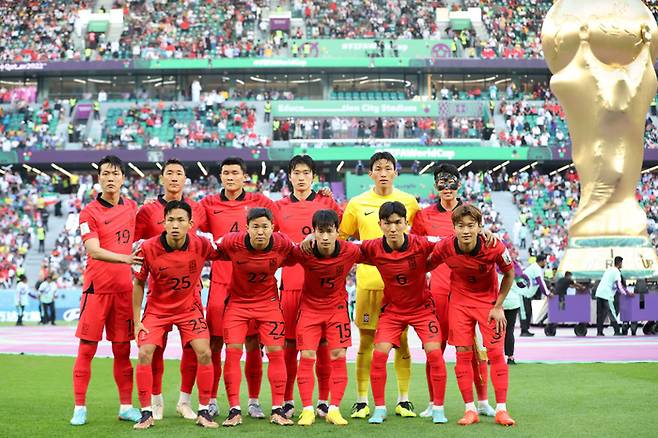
(361, 220)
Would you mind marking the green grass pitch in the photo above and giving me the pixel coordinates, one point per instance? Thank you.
(581, 400)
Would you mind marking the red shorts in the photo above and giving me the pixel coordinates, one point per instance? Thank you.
(290, 307)
(266, 317)
(313, 326)
(112, 312)
(215, 308)
(441, 301)
(392, 323)
(462, 327)
(191, 325)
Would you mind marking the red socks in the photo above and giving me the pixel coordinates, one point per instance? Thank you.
(204, 377)
(290, 357)
(123, 372)
(276, 374)
(232, 375)
(499, 374)
(378, 377)
(306, 381)
(430, 388)
(253, 371)
(82, 371)
(216, 375)
(338, 380)
(144, 384)
(464, 373)
(323, 370)
(157, 367)
(188, 370)
(480, 370)
(438, 375)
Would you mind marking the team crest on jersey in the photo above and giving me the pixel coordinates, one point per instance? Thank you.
(366, 318)
(273, 265)
(339, 271)
(193, 266)
(412, 262)
(483, 268)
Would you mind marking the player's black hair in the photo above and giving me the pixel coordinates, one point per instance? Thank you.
(171, 162)
(22, 277)
(392, 207)
(325, 218)
(541, 258)
(233, 161)
(382, 156)
(301, 159)
(568, 274)
(618, 260)
(257, 212)
(446, 168)
(172, 205)
(113, 161)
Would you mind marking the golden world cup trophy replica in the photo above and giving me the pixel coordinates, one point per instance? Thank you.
(602, 53)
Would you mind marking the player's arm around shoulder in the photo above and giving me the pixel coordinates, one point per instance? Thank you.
(440, 252)
(138, 294)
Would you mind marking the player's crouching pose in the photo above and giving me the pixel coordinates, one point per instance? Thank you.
(402, 260)
(474, 298)
(174, 260)
(323, 312)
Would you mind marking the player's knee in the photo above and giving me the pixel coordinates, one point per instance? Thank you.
(366, 339)
(495, 355)
(383, 347)
(308, 354)
(431, 346)
(338, 353)
(464, 349)
(204, 356)
(145, 355)
(274, 348)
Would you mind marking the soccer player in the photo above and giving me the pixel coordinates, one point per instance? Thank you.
(107, 226)
(402, 261)
(323, 313)
(226, 212)
(150, 223)
(361, 220)
(475, 298)
(435, 220)
(296, 213)
(253, 298)
(173, 261)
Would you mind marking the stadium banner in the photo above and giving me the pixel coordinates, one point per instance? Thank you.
(416, 153)
(372, 108)
(141, 156)
(419, 185)
(67, 306)
(8, 157)
(72, 66)
(364, 48)
(255, 63)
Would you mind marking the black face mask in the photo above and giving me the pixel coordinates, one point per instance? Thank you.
(446, 181)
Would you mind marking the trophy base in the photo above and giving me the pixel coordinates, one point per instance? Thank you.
(589, 257)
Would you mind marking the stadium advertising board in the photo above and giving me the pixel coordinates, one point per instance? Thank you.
(251, 63)
(144, 156)
(73, 66)
(416, 153)
(329, 108)
(364, 48)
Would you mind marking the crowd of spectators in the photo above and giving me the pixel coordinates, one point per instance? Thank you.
(24, 125)
(426, 129)
(530, 124)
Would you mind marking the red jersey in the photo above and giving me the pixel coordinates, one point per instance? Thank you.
(252, 278)
(150, 218)
(473, 281)
(324, 278)
(114, 227)
(436, 221)
(403, 270)
(230, 216)
(174, 273)
(296, 222)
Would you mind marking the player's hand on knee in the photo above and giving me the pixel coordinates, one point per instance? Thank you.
(139, 327)
(498, 316)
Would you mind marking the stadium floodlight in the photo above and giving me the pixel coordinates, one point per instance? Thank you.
(426, 168)
(500, 166)
(2, 172)
(465, 165)
(202, 168)
(263, 168)
(61, 169)
(94, 165)
(340, 166)
(650, 169)
(534, 164)
(158, 165)
(136, 169)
